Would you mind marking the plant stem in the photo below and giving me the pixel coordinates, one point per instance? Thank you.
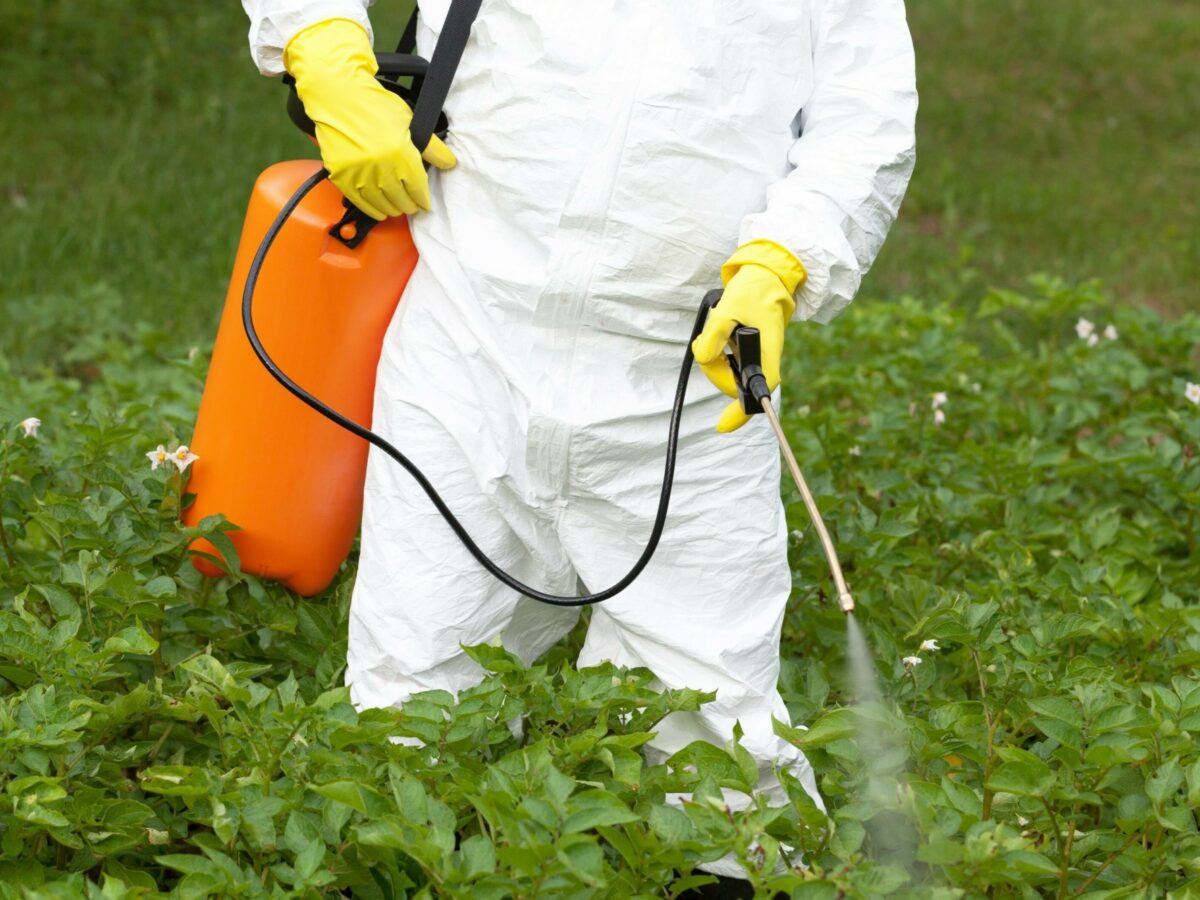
(8, 554)
(158, 657)
(1064, 869)
(1107, 862)
(1058, 838)
(986, 809)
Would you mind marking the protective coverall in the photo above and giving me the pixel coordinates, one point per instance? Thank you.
(611, 154)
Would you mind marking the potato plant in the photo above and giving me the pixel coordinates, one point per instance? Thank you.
(1014, 490)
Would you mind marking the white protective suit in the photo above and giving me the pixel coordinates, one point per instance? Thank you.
(611, 155)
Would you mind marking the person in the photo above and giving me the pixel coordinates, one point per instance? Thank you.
(606, 163)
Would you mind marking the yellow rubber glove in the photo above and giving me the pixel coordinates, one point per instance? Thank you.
(362, 128)
(760, 280)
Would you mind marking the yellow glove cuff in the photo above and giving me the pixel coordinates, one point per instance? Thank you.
(327, 43)
(773, 257)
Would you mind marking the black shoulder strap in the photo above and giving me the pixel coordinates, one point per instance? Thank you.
(446, 56)
(408, 40)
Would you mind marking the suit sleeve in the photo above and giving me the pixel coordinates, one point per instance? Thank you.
(851, 163)
(275, 22)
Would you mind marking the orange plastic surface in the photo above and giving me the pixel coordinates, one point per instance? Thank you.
(291, 479)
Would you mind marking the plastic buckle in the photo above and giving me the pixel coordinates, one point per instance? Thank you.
(353, 227)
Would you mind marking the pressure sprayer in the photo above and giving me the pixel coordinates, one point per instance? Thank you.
(292, 481)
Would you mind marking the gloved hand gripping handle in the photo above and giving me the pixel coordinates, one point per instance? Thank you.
(432, 81)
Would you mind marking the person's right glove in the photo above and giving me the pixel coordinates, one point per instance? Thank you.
(760, 280)
(362, 128)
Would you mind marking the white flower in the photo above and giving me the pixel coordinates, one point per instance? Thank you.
(911, 661)
(1093, 340)
(1192, 392)
(1110, 332)
(30, 426)
(939, 399)
(856, 450)
(930, 644)
(1084, 329)
(976, 388)
(183, 457)
(157, 457)
(939, 417)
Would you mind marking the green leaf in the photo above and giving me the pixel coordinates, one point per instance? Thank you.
(835, 725)
(207, 669)
(388, 831)
(309, 859)
(848, 837)
(191, 864)
(176, 781)
(1032, 863)
(133, 639)
(1058, 708)
(1024, 777)
(1134, 811)
(879, 881)
(348, 792)
(216, 532)
(708, 760)
(962, 797)
(583, 856)
(478, 856)
(28, 809)
(1165, 783)
(625, 764)
(940, 851)
(1193, 784)
(1060, 731)
(409, 794)
(671, 824)
(160, 586)
(593, 808)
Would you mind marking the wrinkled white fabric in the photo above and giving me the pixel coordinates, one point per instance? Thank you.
(611, 155)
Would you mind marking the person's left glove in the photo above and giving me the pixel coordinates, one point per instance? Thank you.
(362, 128)
(760, 280)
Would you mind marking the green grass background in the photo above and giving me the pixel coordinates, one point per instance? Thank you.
(1054, 135)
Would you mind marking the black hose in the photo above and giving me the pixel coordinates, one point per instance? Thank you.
(366, 434)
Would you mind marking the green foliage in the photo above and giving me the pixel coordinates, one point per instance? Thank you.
(1045, 536)
(161, 733)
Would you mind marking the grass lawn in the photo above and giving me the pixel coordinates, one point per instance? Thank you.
(1054, 137)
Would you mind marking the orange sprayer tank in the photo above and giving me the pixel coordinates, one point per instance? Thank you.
(289, 478)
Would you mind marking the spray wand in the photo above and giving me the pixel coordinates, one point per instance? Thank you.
(745, 359)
